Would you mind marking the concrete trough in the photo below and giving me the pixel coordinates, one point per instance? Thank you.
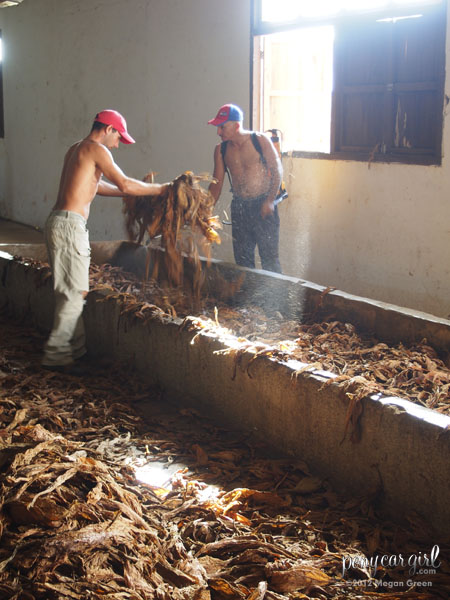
(403, 452)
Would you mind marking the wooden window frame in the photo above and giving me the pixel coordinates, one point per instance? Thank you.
(384, 151)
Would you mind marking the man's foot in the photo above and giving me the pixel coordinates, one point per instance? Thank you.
(84, 359)
(71, 369)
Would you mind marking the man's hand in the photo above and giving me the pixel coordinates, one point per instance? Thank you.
(164, 188)
(267, 208)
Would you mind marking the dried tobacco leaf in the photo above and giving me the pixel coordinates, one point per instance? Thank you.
(184, 207)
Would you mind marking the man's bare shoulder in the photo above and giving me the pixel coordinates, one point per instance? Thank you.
(266, 144)
(89, 150)
(263, 137)
(72, 150)
(92, 147)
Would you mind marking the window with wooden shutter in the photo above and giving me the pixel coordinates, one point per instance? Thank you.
(389, 82)
(388, 77)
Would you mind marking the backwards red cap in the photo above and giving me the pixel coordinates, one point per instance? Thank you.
(115, 119)
(227, 112)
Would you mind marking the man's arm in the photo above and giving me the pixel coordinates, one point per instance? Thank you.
(275, 169)
(108, 189)
(124, 185)
(219, 173)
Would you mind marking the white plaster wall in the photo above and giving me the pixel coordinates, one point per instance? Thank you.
(382, 232)
(165, 64)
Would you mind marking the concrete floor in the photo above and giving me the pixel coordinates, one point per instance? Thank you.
(17, 233)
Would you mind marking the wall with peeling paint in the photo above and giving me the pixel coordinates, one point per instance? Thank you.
(382, 232)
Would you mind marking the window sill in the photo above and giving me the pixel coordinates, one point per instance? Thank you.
(382, 158)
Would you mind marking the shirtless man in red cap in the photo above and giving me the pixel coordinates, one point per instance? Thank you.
(67, 237)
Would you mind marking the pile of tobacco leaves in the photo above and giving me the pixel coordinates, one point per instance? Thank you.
(110, 492)
(359, 362)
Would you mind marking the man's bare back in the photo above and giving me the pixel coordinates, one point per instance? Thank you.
(79, 178)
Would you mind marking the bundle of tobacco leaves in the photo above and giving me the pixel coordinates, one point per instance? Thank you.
(107, 492)
(184, 207)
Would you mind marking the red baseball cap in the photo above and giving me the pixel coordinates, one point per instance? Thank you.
(115, 119)
(227, 112)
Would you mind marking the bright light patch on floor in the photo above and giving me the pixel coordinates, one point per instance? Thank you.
(209, 494)
(158, 476)
(154, 474)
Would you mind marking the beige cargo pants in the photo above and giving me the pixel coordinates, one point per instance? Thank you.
(69, 253)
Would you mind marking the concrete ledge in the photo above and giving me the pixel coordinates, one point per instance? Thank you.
(293, 298)
(403, 453)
